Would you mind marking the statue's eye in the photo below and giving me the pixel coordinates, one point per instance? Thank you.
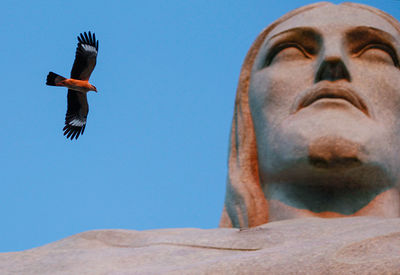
(378, 53)
(286, 52)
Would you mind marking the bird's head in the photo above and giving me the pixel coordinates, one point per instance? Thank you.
(93, 88)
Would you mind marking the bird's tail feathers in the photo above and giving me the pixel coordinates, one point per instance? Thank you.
(53, 79)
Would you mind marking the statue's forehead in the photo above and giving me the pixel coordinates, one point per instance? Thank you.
(336, 18)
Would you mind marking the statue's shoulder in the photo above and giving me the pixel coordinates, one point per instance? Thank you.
(313, 245)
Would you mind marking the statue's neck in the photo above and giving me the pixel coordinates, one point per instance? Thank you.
(288, 201)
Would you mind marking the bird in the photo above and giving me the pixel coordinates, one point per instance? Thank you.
(78, 85)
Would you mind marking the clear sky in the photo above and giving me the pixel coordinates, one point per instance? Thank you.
(154, 151)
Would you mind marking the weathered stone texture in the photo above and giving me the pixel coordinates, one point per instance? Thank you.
(362, 245)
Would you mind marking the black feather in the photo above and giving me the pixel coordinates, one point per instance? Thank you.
(53, 79)
(86, 36)
(50, 79)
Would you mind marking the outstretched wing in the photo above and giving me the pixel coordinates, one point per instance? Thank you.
(77, 111)
(85, 57)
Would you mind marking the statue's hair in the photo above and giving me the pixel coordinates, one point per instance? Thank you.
(245, 203)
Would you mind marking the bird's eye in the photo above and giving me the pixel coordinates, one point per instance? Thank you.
(288, 52)
(378, 53)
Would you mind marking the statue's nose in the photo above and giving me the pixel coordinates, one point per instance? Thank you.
(332, 69)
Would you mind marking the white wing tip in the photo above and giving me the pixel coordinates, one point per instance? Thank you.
(89, 48)
(76, 123)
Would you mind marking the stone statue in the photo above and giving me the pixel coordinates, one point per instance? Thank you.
(316, 127)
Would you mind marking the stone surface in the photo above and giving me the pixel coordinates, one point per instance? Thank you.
(360, 245)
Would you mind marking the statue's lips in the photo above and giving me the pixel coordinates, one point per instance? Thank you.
(333, 93)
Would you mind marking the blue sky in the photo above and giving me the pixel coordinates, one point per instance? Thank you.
(154, 151)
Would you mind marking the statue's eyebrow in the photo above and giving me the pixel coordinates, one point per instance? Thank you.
(306, 32)
(364, 33)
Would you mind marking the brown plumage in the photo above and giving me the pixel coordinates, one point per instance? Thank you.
(78, 85)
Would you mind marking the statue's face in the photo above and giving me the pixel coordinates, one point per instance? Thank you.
(325, 97)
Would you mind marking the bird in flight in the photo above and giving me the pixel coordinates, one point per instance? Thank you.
(78, 85)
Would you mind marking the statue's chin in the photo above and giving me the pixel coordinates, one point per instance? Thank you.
(334, 147)
(329, 138)
(334, 152)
